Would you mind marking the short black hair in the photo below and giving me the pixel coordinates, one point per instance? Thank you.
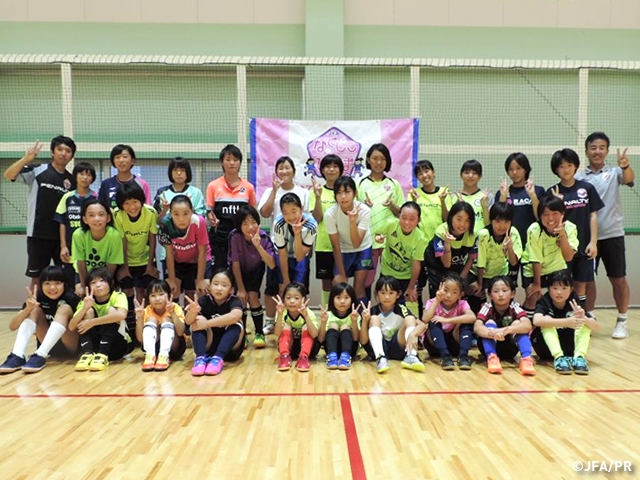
(473, 165)
(230, 150)
(522, 160)
(179, 162)
(596, 136)
(458, 207)
(82, 167)
(94, 201)
(129, 191)
(566, 155)
(382, 148)
(244, 212)
(62, 140)
(118, 149)
(331, 159)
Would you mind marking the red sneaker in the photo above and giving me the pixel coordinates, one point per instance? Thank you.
(526, 366)
(493, 364)
(284, 364)
(302, 365)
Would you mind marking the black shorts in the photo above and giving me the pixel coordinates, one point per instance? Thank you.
(612, 253)
(392, 349)
(506, 350)
(544, 281)
(138, 278)
(40, 252)
(253, 281)
(177, 349)
(219, 250)
(187, 273)
(582, 268)
(324, 265)
(60, 350)
(274, 277)
(567, 343)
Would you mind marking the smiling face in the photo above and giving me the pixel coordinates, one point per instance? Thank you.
(377, 162)
(597, 152)
(551, 219)
(500, 227)
(249, 227)
(291, 213)
(96, 217)
(427, 177)
(409, 220)
(461, 223)
(220, 288)
(470, 179)
(293, 299)
(124, 162)
(285, 172)
(53, 289)
(331, 173)
(516, 173)
(132, 206)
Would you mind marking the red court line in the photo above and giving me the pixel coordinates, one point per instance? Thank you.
(311, 394)
(353, 445)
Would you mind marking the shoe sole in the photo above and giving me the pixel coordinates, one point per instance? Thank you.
(148, 369)
(32, 369)
(284, 369)
(564, 372)
(581, 372)
(464, 367)
(197, 374)
(10, 370)
(416, 367)
(448, 368)
(495, 372)
(303, 369)
(161, 369)
(528, 374)
(344, 367)
(332, 367)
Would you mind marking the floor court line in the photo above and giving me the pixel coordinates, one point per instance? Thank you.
(353, 444)
(312, 394)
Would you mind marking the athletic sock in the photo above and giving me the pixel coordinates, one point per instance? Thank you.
(55, 332)
(25, 331)
(167, 334)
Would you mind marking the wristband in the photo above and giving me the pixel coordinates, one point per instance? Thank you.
(624, 168)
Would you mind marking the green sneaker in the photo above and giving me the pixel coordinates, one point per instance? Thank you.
(412, 362)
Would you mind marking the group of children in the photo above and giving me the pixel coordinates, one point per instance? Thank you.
(467, 247)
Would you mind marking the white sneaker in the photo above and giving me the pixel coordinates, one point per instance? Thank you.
(268, 328)
(621, 330)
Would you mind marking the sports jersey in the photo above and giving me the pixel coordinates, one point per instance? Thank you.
(185, 243)
(109, 187)
(168, 192)
(296, 324)
(513, 312)
(328, 199)
(50, 307)
(544, 249)
(338, 222)
(475, 200)
(545, 306)
(137, 234)
(607, 183)
(581, 199)
(460, 307)
(211, 309)
(302, 193)
(390, 322)
(46, 188)
(334, 319)
(224, 201)
(523, 215)
(98, 253)
(69, 210)
(242, 250)
(400, 250)
(379, 193)
(430, 210)
(150, 313)
(461, 250)
(284, 237)
(116, 300)
(492, 255)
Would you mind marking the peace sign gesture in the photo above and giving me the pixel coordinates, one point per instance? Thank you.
(276, 182)
(414, 194)
(367, 200)
(303, 307)
(317, 188)
(353, 214)
(33, 152)
(354, 313)
(365, 311)
(556, 192)
(193, 306)
(623, 159)
(32, 302)
(444, 193)
(324, 314)
(504, 190)
(255, 239)
(89, 300)
(484, 201)
(139, 309)
(530, 187)
(279, 304)
(507, 243)
(389, 201)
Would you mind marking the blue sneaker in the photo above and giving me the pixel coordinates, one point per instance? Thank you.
(34, 364)
(332, 361)
(580, 366)
(345, 361)
(13, 363)
(562, 365)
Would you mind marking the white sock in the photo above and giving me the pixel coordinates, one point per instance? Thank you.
(55, 332)
(592, 314)
(149, 336)
(622, 317)
(167, 333)
(375, 338)
(407, 332)
(25, 331)
(269, 319)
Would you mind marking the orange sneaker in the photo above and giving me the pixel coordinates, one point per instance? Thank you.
(149, 362)
(526, 366)
(493, 364)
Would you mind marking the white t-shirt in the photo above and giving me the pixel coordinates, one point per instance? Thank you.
(301, 192)
(338, 222)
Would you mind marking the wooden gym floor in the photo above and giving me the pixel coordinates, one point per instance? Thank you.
(253, 422)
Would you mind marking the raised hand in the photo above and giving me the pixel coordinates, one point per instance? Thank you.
(504, 190)
(380, 238)
(89, 300)
(139, 309)
(365, 311)
(440, 294)
(559, 230)
(484, 201)
(303, 308)
(279, 304)
(444, 193)
(193, 305)
(255, 239)
(317, 188)
(276, 183)
(32, 302)
(33, 152)
(507, 243)
(414, 194)
(354, 313)
(353, 214)
(367, 200)
(556, 192)
(623, 159)
(389, 201)
(530, 187)
(448, 237)
(324, 314)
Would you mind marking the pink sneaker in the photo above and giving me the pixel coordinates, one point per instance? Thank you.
(214, 367)
(199, 366)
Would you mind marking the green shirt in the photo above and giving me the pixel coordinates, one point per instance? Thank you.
(400, 249)
(137, 234)
(430, 210)
(298, 323)
(98, 253)
(116, 300)
(491, 254)
(328, 199)
(378, 193)
(475, 200)
(544, 249)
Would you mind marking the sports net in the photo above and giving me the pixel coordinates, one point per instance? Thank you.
(193, 106)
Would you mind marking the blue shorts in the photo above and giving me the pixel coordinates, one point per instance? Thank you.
(356, 261)
(298, 271)
(582, 268)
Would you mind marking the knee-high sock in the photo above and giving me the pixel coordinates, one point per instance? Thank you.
(284, 342)
(413, 306)
(55, 332)
(167, 334)
(257, 315)
(437, 335)
(306, 342)
(466, 336)
(149, 337)
(524, 344)
(407, 332)
(375, 339)
(489, 344)
(346, 340)
(324, 297)
(25, 331)
(331, 341)
(552, 340)
(199, 342)
(582, 339)
(228, 340)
